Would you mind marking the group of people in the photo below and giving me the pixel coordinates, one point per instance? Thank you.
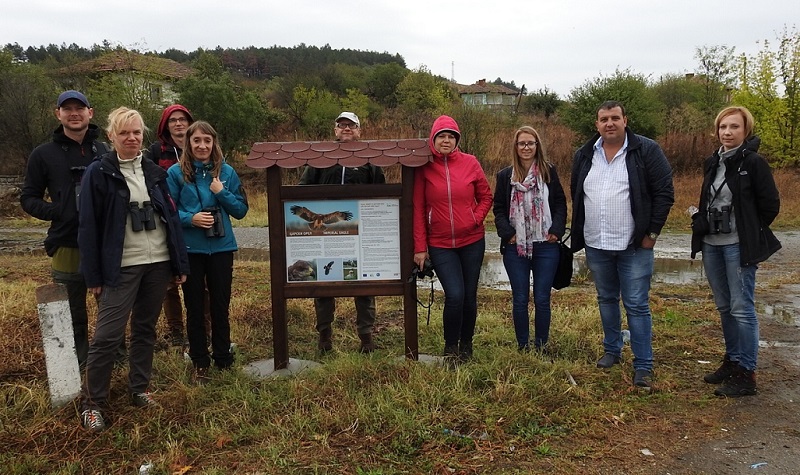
(126, 226)
(622, 192)
(131, 225)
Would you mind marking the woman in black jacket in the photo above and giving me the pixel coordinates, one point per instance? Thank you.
(738, 202)
(530, 212)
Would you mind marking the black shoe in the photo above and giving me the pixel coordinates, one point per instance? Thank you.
(325, 344)
(608, 360)
(451, 356)
(464, 351)
(741, 383)
(722, 373)
(643, 379)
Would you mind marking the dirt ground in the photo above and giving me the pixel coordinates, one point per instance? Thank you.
(761, 434)
(756, 435)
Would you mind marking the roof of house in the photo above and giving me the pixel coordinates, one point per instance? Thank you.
(120, 60)
(483, 87)
(383, 153)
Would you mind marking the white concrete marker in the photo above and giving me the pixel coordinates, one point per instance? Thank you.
(55, 321)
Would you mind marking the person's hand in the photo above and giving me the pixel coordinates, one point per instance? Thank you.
(95, 291)
(552, 238)
(513, 239)
(203, 219)
(216, 185)
(180, 279)
(648, 243)
(419, 259)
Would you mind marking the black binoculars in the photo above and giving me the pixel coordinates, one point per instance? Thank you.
(216, 229)
(142, 218)
(426, 271)
(719, 220)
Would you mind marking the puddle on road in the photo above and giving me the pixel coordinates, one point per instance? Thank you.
(781, 313)
(666, 271)
(493, 273)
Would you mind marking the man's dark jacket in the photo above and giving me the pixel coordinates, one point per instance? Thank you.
(756, 202)
(56, 168)
(650, 179)
(364, 174)
(105, 204)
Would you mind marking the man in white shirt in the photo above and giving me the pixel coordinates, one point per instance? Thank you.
(622, 192)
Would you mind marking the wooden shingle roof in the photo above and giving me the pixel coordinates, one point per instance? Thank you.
(383, 153)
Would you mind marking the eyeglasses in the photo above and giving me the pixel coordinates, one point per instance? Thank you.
(342, 125)
(530, 144)
(175, 120)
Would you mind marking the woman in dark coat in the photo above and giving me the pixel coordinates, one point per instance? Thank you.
(738, 202)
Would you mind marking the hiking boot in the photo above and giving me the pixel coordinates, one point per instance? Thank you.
(722, 373)
(367, 345)
(608, 360)
(464, 351)
(741, 383)
(643, 379)
(92, 420)
(144, 399)
(451, 356)
(201, 377)
(325, 344)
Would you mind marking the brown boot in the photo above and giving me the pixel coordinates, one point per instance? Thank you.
(367, 345)
(325, 344)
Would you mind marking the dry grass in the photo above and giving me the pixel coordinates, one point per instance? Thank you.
(504, 413)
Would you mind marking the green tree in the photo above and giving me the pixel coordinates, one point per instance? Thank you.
(422, 97)
(314, 111)
(27, 101)
(238, 115)
(382, 82)
(633, 90)
(777, 116)
(544, 102)
(717, 71)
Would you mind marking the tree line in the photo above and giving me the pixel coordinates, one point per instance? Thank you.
(292, 93)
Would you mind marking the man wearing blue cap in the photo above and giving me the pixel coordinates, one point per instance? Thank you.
(56, 167)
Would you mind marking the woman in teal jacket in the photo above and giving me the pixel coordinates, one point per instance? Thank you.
(208, 193)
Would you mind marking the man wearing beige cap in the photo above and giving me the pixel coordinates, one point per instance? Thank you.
(347, 128)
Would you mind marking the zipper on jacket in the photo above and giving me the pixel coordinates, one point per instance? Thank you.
(450, 202)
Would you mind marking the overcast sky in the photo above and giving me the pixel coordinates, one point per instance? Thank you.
(557, 44)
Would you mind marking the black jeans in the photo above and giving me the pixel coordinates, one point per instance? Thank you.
(216, 272)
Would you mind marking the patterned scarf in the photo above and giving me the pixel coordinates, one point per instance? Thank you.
(530, 212)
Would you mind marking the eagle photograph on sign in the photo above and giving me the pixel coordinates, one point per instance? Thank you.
(340, 240)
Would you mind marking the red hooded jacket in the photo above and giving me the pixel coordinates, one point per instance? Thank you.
(165, 152)
(451, 196)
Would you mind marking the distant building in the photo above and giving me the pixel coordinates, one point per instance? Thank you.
(484, 94)
(150, 74)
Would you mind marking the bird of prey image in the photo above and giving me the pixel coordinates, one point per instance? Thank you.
(317, 221)
(300, 271)
(328, 267)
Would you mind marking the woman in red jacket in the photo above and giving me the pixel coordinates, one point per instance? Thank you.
(451, 200)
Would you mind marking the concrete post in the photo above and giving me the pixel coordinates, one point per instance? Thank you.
(55, 321)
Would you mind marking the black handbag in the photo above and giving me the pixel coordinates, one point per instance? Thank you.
(563, 276)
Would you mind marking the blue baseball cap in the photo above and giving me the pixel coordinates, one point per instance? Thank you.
(67, 95)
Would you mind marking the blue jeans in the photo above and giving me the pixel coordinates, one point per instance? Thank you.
(458, 270)
(627, 274)
(734, 294)
(543, 265)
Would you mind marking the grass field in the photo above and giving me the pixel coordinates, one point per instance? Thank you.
(506, 412)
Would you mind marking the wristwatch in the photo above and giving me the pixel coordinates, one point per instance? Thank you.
(653, 236)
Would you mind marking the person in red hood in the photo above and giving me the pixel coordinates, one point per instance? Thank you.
(451, 200)
(165, 152)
